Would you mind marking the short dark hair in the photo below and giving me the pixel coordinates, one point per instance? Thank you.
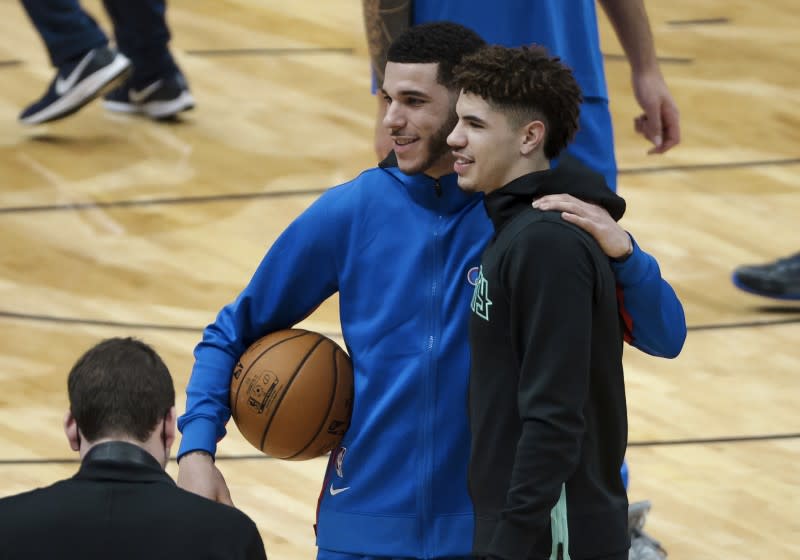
(527, 83)
(119, 387)
(442, 42)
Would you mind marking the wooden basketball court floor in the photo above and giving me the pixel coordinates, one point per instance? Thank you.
(115, 226)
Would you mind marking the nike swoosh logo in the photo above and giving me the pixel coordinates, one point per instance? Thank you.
(63, 86)
(335, 491)
(139, 96)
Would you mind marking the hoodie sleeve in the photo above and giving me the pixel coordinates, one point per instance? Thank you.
(652, 313)
(297, 274)
(551, 277)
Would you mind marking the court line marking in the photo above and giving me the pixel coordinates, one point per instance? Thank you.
(267, 51)
(261, 456)
(13, 315)
(203, 199)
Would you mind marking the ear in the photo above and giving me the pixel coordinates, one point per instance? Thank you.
(533, 137)
(71, 431)
(169, 427)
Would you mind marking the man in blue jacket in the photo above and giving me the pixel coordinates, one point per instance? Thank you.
(401, 244)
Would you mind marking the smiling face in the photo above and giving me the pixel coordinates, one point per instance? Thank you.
(419, 117)
(490, 149)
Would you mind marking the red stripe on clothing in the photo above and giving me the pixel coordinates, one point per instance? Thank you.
(627, 320)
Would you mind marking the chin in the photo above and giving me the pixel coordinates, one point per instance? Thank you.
(466, 185)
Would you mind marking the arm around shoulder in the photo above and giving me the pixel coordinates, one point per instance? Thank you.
(654, 318)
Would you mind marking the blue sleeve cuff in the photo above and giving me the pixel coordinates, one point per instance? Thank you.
(199, 435)
(634, 269)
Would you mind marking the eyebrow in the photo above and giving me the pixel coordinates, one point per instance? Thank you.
(473, 119)
(408, 93)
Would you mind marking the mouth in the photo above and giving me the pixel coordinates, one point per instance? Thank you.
(403, 143)
(462, 163)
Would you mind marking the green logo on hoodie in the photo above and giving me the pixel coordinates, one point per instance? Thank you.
(480, 297)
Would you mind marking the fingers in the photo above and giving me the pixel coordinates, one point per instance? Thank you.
(672, 127)
(668, 134)
(565, 203)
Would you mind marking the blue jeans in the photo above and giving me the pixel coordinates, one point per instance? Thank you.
(140, 29)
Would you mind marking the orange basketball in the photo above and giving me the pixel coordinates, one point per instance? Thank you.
(292, 394)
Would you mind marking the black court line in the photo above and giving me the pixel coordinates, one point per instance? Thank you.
(186, 329)
(706, 21)
(710, 441)
(270, 52)
(159, 201)
(76, 460)
(204, 199)
(708, 166)
(661, 59)
(262, 457)
(111, 324)
(744, 325)
(8, 63)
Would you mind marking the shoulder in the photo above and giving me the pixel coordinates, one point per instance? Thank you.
(546, 233)
(18, 508)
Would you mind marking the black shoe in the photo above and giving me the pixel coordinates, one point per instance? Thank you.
(779, 279)
(77, 84)
(162, 99)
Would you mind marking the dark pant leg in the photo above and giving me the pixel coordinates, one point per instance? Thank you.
(140, 27)
(66, 29)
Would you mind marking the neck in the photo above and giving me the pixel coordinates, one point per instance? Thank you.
(443, 166)
(523, 167)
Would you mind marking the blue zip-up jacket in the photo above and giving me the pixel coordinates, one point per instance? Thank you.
(401, 251)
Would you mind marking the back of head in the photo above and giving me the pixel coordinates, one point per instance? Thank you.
(527, 84)
(119, 388)
(444, 43)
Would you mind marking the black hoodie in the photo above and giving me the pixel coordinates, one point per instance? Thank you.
(546, 398)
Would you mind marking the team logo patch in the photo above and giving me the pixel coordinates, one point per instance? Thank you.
(472, 275)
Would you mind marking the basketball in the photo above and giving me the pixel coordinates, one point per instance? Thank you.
(292, 394)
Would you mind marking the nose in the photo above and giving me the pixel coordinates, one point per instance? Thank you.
(457, 139)
(393, 119)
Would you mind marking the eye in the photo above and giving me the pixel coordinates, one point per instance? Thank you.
(473, 124)
(387, 99)
(415, 101)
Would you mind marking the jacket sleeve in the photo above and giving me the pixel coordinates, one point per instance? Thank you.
(297, 274)
(550, 276)
(652, 313)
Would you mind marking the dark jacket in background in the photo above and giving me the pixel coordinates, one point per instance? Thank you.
(121, 504)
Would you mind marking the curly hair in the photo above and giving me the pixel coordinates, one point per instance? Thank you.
(442, 42)
(527, 84)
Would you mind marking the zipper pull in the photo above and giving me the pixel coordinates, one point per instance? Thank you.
(437, 187)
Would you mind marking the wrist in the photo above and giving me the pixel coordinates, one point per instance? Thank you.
(628, 252)
(197, 453)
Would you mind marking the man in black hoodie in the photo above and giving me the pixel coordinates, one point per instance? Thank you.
(547, 398)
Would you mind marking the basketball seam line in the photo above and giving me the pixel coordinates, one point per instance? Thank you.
(235, 401)
(330, 403)
(286, 390)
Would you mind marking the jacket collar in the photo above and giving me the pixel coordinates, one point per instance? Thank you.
(121, 461)
(569, 177)
(441, 195)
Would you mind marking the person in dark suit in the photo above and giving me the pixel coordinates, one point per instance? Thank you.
(121, 503)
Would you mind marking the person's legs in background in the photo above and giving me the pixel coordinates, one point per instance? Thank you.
(156, 87)
(79, 50)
